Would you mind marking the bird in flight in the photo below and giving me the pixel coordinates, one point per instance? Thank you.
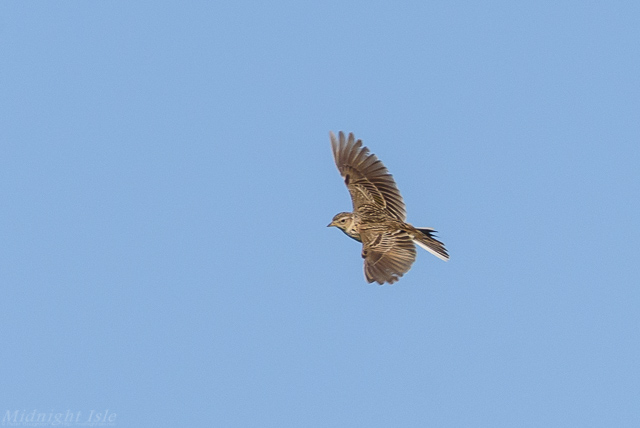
(378, 217)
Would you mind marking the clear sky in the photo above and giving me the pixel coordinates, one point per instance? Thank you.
(166, 178)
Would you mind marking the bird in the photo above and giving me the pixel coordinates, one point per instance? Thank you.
(379, 214)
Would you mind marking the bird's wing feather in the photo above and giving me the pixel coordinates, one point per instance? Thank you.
(388, 254)
(367, 179)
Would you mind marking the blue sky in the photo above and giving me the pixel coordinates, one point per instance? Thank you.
(166, 179)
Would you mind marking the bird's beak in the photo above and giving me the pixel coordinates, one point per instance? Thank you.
(330, 224)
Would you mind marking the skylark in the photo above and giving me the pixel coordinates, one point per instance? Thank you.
(378, 217)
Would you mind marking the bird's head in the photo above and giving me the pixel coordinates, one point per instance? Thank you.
(345, 222)
(342, 221)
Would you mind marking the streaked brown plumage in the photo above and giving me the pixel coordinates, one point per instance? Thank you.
(378, 217)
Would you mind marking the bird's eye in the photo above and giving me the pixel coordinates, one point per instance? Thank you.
(343, 220)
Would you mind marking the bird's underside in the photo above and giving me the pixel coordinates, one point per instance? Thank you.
(378, 217)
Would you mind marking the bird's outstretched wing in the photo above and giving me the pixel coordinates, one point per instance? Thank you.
(367, 179)
(387, 254)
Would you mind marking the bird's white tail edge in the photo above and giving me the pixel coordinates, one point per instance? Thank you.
(427, 240)
(438, 255)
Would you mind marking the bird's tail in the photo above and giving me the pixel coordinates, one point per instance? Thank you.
(426, 239)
